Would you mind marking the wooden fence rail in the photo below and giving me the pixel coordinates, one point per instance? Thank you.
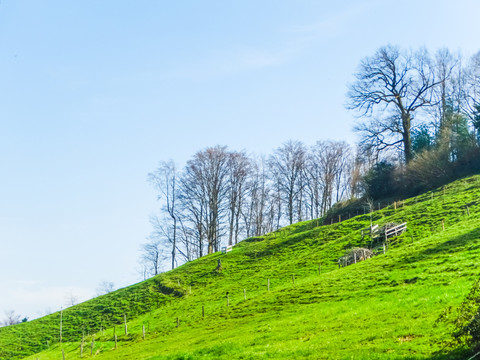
(396, 230)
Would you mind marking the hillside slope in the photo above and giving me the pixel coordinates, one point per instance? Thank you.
(299, 303)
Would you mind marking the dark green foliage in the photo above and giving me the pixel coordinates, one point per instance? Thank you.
(454, 138)
(344, 210)
(476, 121)
(379, 180)
(422, 139)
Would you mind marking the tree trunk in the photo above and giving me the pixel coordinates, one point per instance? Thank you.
(174, 241)
(407, 140)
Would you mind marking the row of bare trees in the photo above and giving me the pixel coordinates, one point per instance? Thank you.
(221, 196)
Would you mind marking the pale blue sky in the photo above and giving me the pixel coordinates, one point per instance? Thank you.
(93, 94)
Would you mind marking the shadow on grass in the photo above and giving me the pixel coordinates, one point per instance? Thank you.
(459, 354)
(455, 244)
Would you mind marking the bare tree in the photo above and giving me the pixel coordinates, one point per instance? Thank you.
(472, 92)
(164, 180)
(206, 178)
(11, 318)
(71, 299)
(187, 237)
(258, 209)
(314, 183)
(286, 166)
(444, 65)
(358, 168)
(105, 287)
(152, 255)
(194, 204)
(239, 168)
(326, 168)
(390, 88)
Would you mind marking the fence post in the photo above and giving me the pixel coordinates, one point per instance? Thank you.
(203, 311)
(93, 344)
(82, 344)
(384, 248)
(61, 324)
(293, 279)
(125, 321)
(319, 269)
(443, 224)
(268, 284)
(244, 294)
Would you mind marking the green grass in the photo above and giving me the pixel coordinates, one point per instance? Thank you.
(382, 308)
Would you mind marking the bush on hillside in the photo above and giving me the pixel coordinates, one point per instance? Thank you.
(345, 209)
(465, 319)
(429, 169)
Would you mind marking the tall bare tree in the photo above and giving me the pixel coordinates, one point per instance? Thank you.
(287, 164)
(194, 204)
(152, 256)
(164, 179)
(208, 174)
(358, 168)
(239, 170)
(445, 64)
(391, 87)
(314, 183)
(343, 157)
(327, 167)
(105, 287)
(258, 211)
(472, 92)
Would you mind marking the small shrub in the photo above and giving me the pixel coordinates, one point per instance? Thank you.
(465, 319)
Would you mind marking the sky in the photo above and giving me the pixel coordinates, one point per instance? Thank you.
(94, 94)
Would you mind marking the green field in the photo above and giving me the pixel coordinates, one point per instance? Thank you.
(382, 308)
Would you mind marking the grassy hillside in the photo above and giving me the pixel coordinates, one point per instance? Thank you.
(381, 308)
